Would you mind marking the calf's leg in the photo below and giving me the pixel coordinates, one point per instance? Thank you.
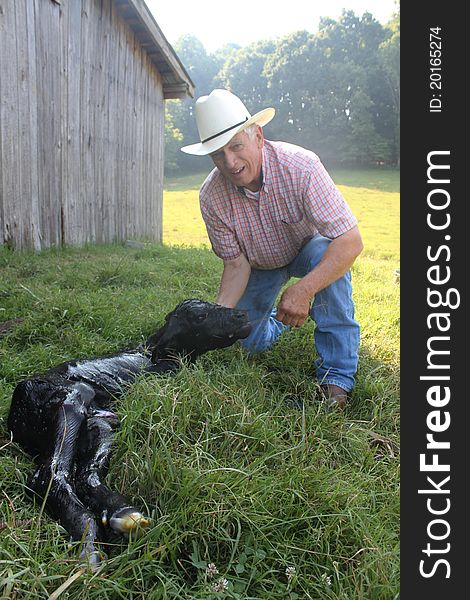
(53, 479)
(93, 457)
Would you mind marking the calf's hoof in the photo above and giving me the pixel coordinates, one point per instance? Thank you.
(127, 521)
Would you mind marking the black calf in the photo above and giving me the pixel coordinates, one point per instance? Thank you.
(63, 419)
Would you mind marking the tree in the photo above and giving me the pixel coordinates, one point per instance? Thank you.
(242, 73)
(336, 91)
(289, 71)
(351, 38)
(389, 56)
(202, 69)
(358, 40)
(173, 139)
(323, 103)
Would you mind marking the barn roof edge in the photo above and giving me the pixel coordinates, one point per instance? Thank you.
(176, 81)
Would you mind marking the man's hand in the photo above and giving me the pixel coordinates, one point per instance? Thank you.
(294, 305)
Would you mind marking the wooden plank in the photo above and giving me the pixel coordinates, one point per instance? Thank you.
(48, 67)
(146, 163)
(31, 137)
(87, 175)
(115, 121)
(12, 217)
(126, 144)
(96, 81)
(23, 167)
(118, 123)
(74, 219)
(109, 106)
(139, 115)
(159, 142)
(23, 181)
(3, 83)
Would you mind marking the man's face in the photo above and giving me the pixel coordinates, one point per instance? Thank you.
(241, 159)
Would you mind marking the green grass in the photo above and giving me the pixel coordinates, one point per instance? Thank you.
(230, 473)
(383, 179)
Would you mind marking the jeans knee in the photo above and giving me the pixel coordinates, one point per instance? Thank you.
(309, 257)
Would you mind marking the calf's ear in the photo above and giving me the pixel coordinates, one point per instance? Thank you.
(169, 339)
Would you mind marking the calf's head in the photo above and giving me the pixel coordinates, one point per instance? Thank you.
(195, 327)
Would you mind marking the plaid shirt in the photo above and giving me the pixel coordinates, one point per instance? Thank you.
(297, 200)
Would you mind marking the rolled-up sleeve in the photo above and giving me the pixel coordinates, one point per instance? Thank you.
(222, 237)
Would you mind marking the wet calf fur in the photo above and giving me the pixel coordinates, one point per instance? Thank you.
(63, 418)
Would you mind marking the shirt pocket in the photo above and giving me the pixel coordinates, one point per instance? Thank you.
(291, 216)
(296, 226)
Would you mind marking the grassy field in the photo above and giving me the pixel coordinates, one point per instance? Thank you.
(288, 503)
(373, 194)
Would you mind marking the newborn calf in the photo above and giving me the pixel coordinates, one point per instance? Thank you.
(63, 418)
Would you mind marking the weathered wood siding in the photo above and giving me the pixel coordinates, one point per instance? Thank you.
(81, 126)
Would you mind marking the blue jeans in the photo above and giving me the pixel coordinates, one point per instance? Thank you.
(336, 334)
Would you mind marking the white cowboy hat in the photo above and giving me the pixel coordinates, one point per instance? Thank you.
(220, 116)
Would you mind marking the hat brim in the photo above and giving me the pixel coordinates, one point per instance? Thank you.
(261, 118)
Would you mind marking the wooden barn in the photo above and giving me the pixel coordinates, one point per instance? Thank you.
(82, 90)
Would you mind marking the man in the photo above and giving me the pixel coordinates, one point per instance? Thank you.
(272, 212)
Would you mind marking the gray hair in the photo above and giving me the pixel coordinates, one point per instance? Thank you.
(251, 129)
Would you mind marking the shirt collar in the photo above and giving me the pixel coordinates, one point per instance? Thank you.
(265, 166)
(264, 171)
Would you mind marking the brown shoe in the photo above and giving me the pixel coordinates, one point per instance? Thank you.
(334, 397)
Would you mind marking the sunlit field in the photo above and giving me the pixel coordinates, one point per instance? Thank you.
(372, 194)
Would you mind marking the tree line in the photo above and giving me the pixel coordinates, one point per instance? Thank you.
(335, 92)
